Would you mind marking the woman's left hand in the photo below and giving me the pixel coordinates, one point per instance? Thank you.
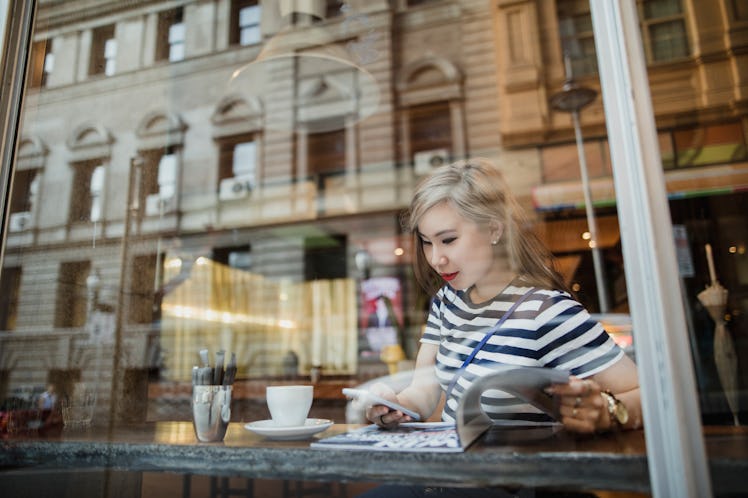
(580, 404)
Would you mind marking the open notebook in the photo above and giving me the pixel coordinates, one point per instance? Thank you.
(526, 383)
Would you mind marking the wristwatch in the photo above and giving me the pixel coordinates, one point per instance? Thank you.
(617, 411)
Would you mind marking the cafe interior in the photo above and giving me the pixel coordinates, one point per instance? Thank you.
(222, 182)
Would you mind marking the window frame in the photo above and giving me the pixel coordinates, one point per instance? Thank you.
(586, 63)
(236, 28)
(101, 61)
(167, 21)
(81, 201)
(41, 64)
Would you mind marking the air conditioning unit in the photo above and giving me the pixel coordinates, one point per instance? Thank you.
(427, 160)
(155, 205)
(20, 221)
(237, 187)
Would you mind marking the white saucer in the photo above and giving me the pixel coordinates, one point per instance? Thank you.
(268, 429)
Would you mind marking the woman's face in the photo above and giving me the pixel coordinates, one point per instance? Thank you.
(458, 249)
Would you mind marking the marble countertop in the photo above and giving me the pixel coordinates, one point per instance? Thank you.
(611, 462)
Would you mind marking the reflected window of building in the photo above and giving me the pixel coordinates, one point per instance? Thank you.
(103, 51)
(96, 191)
(416, 3)
(334, 8)
(142, 303)
(239, 257)
(88, 184)
(171, 36)
(245, 22)
(431, 98)
(42, 63)
(326, 153)
(577, 39)
(561, 162)
(159, 181)
(740, 10)
(237, 125)
(663, 28)
(703, 145)
(10, 285)
(24, 195)
(325, 257)
(430, 127)
(71, 301)
(237, 174)
(22, 199)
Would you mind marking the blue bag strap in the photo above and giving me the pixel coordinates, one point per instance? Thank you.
(485, 339)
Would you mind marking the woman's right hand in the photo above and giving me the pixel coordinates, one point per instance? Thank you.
(382, 415)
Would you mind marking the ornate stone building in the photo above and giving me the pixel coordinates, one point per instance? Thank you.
(281, 138)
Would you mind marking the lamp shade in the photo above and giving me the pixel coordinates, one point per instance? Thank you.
(306, 81)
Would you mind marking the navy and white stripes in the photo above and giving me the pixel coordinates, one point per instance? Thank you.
(549, 329)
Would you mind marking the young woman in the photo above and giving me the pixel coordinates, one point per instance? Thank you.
(476, 254)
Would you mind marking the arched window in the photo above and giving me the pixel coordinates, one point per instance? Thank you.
(32, 153)
(236, 130)
(431, 113)
(90, 147)
(160, 140)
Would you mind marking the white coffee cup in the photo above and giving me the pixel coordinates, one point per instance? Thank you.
(289, 405)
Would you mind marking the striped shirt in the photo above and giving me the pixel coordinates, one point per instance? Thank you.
(549, 329)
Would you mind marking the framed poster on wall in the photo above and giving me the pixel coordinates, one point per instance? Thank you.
(381, 317)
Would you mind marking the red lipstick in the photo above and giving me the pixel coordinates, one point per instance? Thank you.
(449, 276)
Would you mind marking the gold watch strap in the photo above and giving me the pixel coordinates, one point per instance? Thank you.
(616, 410)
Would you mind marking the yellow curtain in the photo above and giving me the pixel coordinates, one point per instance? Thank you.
(260, 320)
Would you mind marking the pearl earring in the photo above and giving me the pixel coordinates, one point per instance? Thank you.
(494, 242)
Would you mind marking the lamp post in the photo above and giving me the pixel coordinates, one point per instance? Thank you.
(572, 99)
(132, 208)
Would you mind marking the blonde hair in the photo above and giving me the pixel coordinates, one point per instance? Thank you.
(479, 193)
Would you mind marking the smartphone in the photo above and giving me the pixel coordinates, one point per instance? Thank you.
(369, 397)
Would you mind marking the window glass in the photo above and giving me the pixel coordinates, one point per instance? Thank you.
(740, 10)
(575, 28)
(86, 194)
(103, 55)
(713, 144)
(42, 63)
(70, 305)
(238, 167)
(171, 36)
(245, 155)
(250, 198)
(10, 284)
(97, 188)
(561, 162)
(663, 32)
(245, 22)
(430, 127)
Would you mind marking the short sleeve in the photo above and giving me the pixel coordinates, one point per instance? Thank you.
(574, 340)
(432, 331)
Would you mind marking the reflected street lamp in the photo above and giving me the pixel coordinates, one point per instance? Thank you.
(93, 285)
(572, 99)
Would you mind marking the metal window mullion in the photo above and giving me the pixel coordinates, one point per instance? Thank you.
(14, 62)
(676, 453)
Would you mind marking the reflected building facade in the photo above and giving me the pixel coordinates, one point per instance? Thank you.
(219, 164)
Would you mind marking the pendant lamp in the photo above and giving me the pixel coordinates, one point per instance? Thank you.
(305, 79)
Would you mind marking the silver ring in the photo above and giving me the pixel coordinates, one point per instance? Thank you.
(577, 401)
(573, 413)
